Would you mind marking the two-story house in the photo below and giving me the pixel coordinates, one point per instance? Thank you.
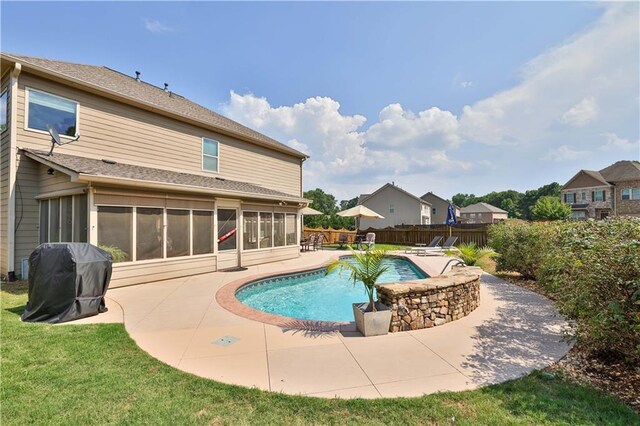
(612, 191)
(179, 189)
(482, 213)
(398, 207)
(439, 208)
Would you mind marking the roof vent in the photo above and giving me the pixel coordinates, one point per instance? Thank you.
(105, 160)
(138, 76)
(220, 178)
(166, 87)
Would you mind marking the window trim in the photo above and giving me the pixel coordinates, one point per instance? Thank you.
(6, 110)
(28, 91)
(209, 155)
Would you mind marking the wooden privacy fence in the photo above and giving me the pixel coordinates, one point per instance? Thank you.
(424, 234)
(331, 235)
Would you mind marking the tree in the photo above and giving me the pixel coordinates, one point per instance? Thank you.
(464, 200)
(328, 205)
(550, 208)
(511, 207)
(347, 204)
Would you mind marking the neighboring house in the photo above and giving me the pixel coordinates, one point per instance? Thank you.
(439, 208)
(482, 213)
(398, 207)
(612, 191)
(180, 189)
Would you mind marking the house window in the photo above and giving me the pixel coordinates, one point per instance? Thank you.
(630, 193)
(392, 208)
(115, 229)
(4, 119)
(202, 232)
(570, 197)
(583, 196)
(178, 233)
(433, 211)
(210, 155)
(578, 214)
(598, 195)
(49, 110)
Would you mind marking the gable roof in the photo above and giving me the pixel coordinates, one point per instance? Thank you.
(622, 170)
(127, 87)
(89, 169)
(482, 208)
(439, 198)
(365, 197)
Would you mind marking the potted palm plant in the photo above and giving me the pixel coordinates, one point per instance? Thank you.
(372, 318)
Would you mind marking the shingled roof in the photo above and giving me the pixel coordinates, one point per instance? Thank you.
(621, 170)
(128, 87)
(481, 208)
(89, 168)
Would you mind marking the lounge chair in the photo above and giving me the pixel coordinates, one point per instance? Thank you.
(433, 244)
(448, 245)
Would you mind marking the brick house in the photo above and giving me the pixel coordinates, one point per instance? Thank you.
(612, 191)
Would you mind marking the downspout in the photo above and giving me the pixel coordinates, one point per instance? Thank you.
(13, 157)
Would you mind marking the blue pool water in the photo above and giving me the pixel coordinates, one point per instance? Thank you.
(314, 296)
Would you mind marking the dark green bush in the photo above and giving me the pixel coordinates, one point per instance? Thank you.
(521, 245)
(592, 270)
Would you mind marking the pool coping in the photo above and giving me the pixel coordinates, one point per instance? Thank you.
(226, 298)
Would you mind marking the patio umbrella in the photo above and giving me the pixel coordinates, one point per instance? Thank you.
(358, 212)
(307, 211)
(451, 216)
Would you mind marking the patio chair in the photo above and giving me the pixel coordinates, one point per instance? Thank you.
(308, 242)
(320, 239)
(343, 240)
(448, 245)
(433, 244)
(370, 240)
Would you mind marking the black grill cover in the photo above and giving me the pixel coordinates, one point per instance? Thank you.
(67, 281)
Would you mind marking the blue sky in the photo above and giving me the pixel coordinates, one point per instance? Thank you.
(443, 97)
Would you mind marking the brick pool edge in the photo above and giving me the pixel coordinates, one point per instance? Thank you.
(432, 301)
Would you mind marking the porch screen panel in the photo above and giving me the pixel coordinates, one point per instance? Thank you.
(250, 231)
(291, 229)
(266, 236)
(148, 233)
(227, 230)
(80, 219)
(202, 232)
(278, 229)
(66, 219)
(115, 228)
(177, 233)
(54, 220)
(44, 221)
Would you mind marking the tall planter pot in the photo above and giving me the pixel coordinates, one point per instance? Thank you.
(372, 323)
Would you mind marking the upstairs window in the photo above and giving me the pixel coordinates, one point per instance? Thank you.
(3, 111)
(210, 155)
(599, 195)
(630, 193)
(583, 196)
(433, 210)
(570, 197)
(49, 110)
(392, 208)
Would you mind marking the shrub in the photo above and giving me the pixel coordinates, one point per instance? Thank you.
(550, 208)
(471, 254)
(116, 253)
(594, 274)
(521, 245)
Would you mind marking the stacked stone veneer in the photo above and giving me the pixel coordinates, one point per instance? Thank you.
(432, 301)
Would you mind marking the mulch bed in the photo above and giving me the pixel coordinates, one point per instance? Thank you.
(601, 371)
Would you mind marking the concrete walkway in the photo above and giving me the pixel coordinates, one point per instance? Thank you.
(179, 322)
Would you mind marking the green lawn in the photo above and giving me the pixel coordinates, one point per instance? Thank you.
(387, 247)
(95, 374)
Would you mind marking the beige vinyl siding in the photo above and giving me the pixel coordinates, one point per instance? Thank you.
(56, 182)
(132, 135)
(27, 209)
(407, 210)
(4, 186)
(256, 257)
(125, 274)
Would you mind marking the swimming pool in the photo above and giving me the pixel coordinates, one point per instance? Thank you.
(313, 296)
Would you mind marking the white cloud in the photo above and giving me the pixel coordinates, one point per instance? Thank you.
(565, 153)
(615, 143)
(155, 26)
(465, 84)
(582, 113)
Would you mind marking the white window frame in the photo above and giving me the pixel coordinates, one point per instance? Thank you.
(209, 155)
(596, 193)
(6, 109)
(630, 194)
(28, 91)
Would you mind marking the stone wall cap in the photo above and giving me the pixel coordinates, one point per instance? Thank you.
(456, 276)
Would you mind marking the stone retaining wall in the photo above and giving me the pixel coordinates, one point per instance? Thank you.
(432, 301)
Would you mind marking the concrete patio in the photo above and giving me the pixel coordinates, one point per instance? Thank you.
(179, 322)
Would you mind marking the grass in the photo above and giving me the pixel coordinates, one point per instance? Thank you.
(387, 247)
(95, 374)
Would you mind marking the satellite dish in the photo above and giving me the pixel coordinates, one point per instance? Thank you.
(55, 138)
